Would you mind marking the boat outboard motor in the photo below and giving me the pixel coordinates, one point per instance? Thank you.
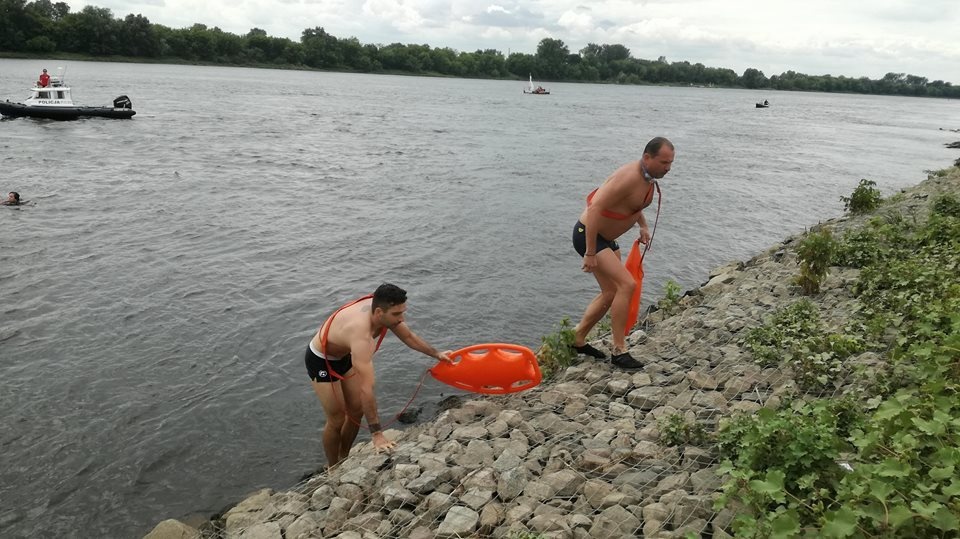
(122, 102)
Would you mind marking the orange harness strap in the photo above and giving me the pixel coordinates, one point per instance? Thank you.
(615, 215)
(326, 331)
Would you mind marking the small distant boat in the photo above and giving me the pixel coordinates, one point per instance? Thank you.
(539, 90)
(763, 104)
(55, 103)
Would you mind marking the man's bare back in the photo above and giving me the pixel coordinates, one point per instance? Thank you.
(349, 325)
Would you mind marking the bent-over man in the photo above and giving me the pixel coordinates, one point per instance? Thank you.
(339, 361)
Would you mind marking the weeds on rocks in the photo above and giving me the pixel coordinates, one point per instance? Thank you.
(676, 430)
(864, 199)
(671, 296)
(556, 353)
(814, 254)
(887, 465)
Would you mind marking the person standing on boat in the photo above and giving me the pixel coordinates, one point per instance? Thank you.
(612, 209)
(44, 79)
(339, 362)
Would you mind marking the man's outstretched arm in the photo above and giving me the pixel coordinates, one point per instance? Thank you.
(415, 342)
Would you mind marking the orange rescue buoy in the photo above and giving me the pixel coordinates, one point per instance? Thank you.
(491, 368)
(634, 265)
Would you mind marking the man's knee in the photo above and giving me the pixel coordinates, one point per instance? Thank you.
(355, 416)
(626, 287)
(336, 420)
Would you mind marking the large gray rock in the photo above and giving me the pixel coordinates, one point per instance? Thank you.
(172, 529)
(459, 522)
(306, 526)
(645, 398)
(564, 483)
(595, 491)
(615, 522)
(265, 530)
(395, 496)
(511, 483)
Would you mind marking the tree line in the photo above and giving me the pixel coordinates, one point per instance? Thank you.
(45, 27)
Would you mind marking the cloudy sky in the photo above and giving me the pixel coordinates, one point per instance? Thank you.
(838, 37)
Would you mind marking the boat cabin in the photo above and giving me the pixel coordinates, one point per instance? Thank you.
(54, 94)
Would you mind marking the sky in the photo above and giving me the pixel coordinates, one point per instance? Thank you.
(853, 38)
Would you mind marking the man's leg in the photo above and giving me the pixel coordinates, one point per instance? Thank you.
(351, 397)
(333, 410)
(594, 313)
(614, 277)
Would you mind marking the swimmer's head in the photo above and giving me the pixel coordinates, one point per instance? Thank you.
(13, 196)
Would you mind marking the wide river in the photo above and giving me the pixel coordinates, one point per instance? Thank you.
(159, 292)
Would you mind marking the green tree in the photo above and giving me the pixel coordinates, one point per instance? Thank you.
(138, 37)
(92, 31)
(320, 49)
(552, 58)
(753, 78)
(48, 10)
(521, 65)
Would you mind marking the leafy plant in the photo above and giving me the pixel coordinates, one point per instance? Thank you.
(814, 254)
(946, 205)
(883, 237)
(676, 430)
(788, 327)
(884, 466)
(556, 353)
(865, 198)
(671, 296)
(783, 464)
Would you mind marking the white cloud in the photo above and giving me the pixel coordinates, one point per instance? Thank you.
(578, 23)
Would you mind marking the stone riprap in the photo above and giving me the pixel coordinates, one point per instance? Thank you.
(582, 455)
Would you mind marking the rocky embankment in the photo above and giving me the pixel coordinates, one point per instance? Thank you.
(584, 455)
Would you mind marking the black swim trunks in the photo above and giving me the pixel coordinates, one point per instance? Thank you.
(317, 367)
(580, 240)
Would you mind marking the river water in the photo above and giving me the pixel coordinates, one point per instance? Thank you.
(160, 291)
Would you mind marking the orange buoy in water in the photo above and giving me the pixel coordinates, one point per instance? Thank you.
(492, 368)
(634, 265)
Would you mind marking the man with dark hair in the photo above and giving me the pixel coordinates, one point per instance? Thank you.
(339, 362)
(13, 199)
(44, 79)
(612, 209)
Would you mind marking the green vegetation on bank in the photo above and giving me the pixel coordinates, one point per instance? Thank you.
(882, 458)
(45, 28)
(556, 352)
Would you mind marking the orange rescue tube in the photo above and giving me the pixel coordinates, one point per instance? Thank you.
(634, 265)
(491, 368)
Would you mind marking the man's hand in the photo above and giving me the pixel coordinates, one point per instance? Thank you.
(644, 235)
(445, 356)
(381, 443)
(589, 263)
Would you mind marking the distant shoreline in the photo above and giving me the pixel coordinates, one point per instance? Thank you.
(431, 74)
